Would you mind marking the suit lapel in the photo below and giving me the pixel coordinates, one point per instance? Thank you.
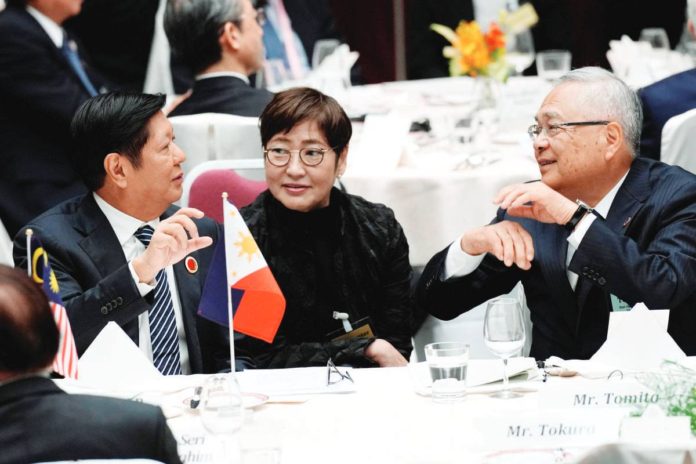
(628, 201)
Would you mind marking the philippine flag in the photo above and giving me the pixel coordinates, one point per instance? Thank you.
(239, 267)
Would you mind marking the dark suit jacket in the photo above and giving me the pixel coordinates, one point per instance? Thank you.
(40, 422)
(661, 101)
(97, 287)
(39, 93)
(224, 94)
(645, 251)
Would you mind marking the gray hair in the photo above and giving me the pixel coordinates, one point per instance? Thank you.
(193, 28)
(613, 99)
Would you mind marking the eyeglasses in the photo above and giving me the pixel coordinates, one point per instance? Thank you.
(280, 157)
(333, 375)
(552, 130)
(260, 16)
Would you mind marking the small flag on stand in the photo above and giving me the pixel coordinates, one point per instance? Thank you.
(239, 276)
(40, 271)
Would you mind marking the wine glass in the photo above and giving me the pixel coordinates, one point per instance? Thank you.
(322, 49)
(503, 333)
(519, 51)
(222, 408)
(655, 36)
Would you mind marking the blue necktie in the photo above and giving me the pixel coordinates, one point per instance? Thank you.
(163, 333)
(70, 52)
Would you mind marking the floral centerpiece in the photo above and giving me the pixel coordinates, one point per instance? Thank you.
(473, 53)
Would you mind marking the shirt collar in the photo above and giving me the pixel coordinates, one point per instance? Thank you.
(54, 31)
(605, 203)
(223, 73)
(124, 226)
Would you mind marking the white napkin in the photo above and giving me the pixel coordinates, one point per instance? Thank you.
(113, 361)
(638, 343)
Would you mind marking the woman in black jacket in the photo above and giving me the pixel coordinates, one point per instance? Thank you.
(329, 251)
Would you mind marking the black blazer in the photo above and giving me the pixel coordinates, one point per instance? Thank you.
(645, 251)
(39, 93)
(67, 427)
(224, 94)
(661, 101)
(97, 287)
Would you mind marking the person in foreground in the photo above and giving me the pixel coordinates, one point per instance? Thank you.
(33, 409)
(329, 251)
(123, 253)
(221, 41)
(601, 226)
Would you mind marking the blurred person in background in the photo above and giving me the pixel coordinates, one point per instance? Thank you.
(222, 42)
(667, 98)
(42, 83)
(41, 422)
(329, 251)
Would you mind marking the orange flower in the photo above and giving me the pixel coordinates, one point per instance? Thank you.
(495, 38)
(473, 52)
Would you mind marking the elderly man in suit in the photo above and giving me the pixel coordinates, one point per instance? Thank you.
(122, 252)
(42, 83)
(667, 98)
(601, 227)
(222, 42)
(66, 427)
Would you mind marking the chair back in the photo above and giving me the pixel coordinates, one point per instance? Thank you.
(204, 185)
(5, 247)
(213, 136)
(678, 140)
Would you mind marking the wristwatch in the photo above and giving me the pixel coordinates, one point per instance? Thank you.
(579, 213)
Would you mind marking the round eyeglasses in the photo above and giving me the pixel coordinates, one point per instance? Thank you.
(280, 157)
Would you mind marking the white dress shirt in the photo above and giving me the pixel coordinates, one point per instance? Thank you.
(223, 73)
(459, 263)
(124, 227)
(54, 31)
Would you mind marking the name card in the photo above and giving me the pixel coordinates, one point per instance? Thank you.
(568, 427)
(195, 445)
(611, 394)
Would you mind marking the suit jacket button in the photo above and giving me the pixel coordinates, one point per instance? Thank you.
(601, 281)
(108, 306)
(119, 301)
(104, 310)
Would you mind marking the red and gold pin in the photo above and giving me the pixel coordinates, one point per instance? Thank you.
(191, 264)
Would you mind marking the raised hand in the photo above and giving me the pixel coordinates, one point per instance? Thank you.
(173, 239)
(535, 200)
(508, 241)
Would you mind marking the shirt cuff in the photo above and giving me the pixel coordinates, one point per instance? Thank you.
(460, 263)
(143, 288)
(580, 230)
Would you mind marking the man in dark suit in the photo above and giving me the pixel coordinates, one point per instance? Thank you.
(123, 253)
(61, 426)
(42, 83)
(667, 98)
(630, 237)
(222, 42)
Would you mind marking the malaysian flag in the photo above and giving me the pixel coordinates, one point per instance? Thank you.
(65, 362)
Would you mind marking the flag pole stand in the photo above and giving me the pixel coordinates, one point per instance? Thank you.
(230, 311)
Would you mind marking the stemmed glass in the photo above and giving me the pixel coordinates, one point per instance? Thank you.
(503, 333)
(222, 408)
(519, 51)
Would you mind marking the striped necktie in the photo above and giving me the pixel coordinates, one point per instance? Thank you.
(69, 50)
(163, 333)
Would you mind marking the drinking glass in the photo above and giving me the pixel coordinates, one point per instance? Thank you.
(503, 333)
(655, 36)
(447, 362)
(553, 64)
(519, 51)
(222, 409)
(322, 49)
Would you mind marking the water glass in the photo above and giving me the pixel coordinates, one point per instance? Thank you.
(655, 36)
(504, 335)
(553, 64)
(519, 51)
(447, 362)
(322, 49)
(222, 407)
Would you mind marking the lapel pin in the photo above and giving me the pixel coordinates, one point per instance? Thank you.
(627, 221)
(191, 264)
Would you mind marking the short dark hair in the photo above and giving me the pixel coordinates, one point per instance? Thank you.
(193, 29)
(114, 122)
(16, 3)
(28, 333)
(293, 106)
